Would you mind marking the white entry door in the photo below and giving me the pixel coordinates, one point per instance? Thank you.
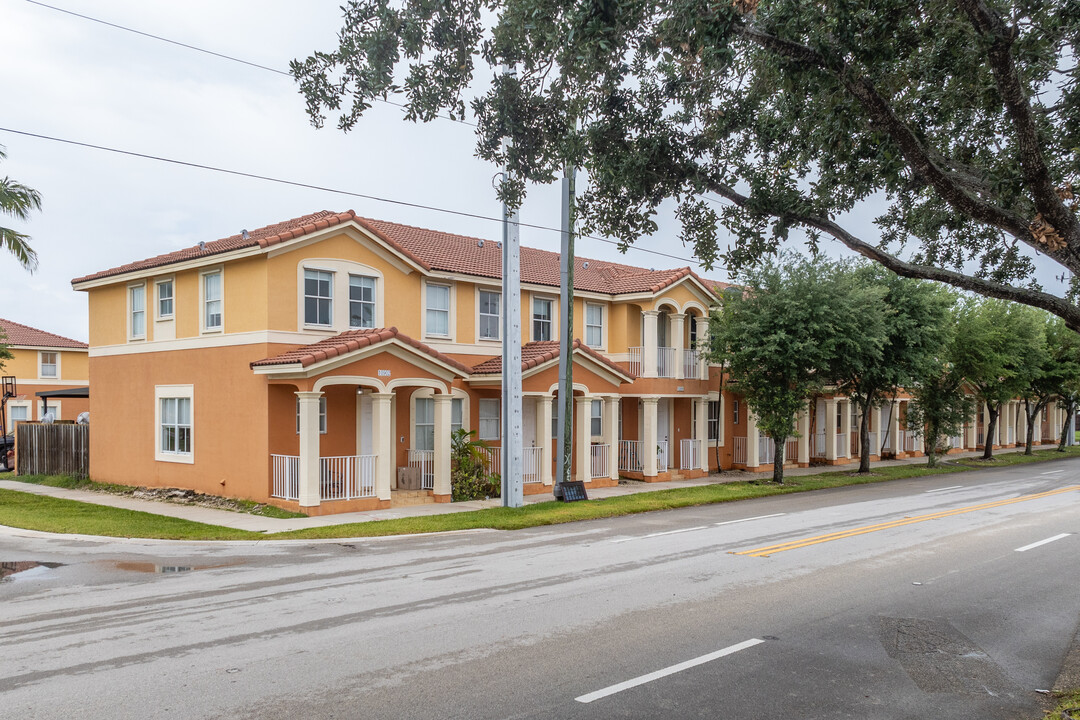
(663, 431)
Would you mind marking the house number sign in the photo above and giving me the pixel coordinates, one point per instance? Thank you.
(384, 373)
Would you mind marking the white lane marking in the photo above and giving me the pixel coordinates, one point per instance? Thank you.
(1052, 472)
(658, 534)
(758, 517)
(1042, 542)
(951, 487)
(642, 679)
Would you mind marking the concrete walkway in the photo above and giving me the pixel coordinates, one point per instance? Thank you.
(255, 523)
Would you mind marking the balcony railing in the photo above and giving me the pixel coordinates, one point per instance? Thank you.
(344, 477)
(689, 454)
(665, 362)
(424, 460)
(599, 464)
(692, 364)
(637, 367)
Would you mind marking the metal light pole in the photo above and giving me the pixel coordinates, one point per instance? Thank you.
(565, 412)
(513, 488)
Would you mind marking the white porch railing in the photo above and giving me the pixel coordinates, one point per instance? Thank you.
(662, 456)
(630, 458)
(692, 364)
(599, 467)
(689, 454)
(665, 362)
(841, 445)
(766, 451)
(956, 442)
(492, 459)
(819, 445)
(740, 451)
(791, 450)
(286, 475)
(979, 437)
(346, 477)
(636, 365)
(425, 461)
(533, 461)
(909, 440)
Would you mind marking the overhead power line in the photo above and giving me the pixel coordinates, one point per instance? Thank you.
(323, 188)
(222, 56)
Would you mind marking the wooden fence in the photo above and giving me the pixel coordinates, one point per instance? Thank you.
(60, 449)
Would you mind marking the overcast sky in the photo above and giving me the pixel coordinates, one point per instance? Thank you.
(71, 78)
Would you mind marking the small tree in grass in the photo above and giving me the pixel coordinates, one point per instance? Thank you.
(469, 477)
(1063, 373)
(782, 334)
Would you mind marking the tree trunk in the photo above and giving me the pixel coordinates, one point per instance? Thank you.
(778, 460)
(931, 445)
(991, 429)
(864, 439)
(1069, 409)
(1029, 431)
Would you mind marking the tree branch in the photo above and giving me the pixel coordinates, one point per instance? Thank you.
(1051, 303)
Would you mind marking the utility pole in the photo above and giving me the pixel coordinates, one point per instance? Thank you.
(513, 488)
(565, 413)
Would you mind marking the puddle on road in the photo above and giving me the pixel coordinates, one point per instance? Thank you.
(154, 568)
(7, 569)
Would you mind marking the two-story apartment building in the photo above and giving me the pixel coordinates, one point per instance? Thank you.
(303, 363)
(43, 362)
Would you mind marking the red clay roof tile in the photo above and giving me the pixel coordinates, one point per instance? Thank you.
(539, 352)
(19, 334)
(350, 341)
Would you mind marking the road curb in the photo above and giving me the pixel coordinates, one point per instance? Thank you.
(1069, 677)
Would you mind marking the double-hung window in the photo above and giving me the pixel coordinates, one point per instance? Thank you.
(318, 297)
(361, 301)
(542, 309)
(322, 415)
(490, 427)
(425, 424)
(456, 407)
(596, 419)
(594, 325)
(137, 305)
(489, 314)
(49, 365)
(213, 302)
(735, 412)
(438, 310)
(165, 299)
(176, 426)
(714, 420)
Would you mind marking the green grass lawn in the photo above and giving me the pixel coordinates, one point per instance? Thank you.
(1068, 705)
(66, 516)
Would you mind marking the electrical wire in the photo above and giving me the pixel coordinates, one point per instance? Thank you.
(322, 188)
(222, 56)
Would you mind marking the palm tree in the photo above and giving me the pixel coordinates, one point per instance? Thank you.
(17, 200)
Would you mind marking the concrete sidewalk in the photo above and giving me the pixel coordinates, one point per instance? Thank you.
(255, 523)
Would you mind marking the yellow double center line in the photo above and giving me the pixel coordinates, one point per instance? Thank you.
(794, 544)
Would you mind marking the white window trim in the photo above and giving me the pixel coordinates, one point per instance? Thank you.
(162, 392)
(479, 422)
(303, 299)
(203, 330)
(451, 320)
(55, 407)
(158, 317)
(130, 317)
(324, 415)
(28, 404)
(592, 406)
(603, 325)
(375, 300)
(425, 393)
(488, 289)
(340, 305)
(43, 376)
(554, 315)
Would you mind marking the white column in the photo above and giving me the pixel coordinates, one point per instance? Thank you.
(1021, 424)
(702, 435)
(649, 435)
(310, 495)
(845, 423)
(918, 445)
(804, 435)
(702, 346)
(611, 434)
(584, 437)
(382, 444)
(677, 333)
(830, 429)
(1037, 436)
(894, 429)
(649, 352)
(873, 425)
(752, 436)
(972, 431)
(543, 436)
(441, 469)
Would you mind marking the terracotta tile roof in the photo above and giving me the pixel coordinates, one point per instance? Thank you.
(540, 352)
(432, 250)
(262, 237)
(19, 334)
(349, 341)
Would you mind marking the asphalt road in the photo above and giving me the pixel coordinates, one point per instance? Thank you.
(911, 599)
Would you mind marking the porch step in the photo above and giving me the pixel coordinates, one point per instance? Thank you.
(405, 498)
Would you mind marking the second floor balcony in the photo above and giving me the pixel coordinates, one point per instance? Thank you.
(668, 362)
